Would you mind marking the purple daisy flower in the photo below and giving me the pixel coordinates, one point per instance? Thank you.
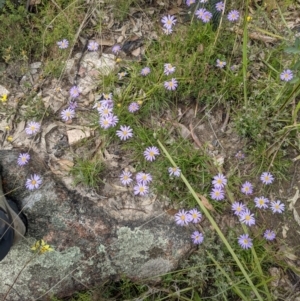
(140, 189)
(125, 132)
(269, 235)
(182, 218)
(125, 177)
(267, 178)
(217, 194)
(245, 241)
(33, 182)
(32, 128)
(113, 120)
(206, 17)
(93, 46)
(74, 92)
(151, 152)
(133, 107)
(197, 237)
(168, 21)
(105, 122)
(67, 114)
(286, 75)
(169, 69)
(246, 217)
(145, 71)
(221, 64)
(171, 85)
(277, 207)
(261, 202)
(143, 177)
(23, 159)
(238, 208)
(195, 216)
(190, 2)
(220, 6)
(105, 110)
(200, 13)
(247, 188)
(63, 44)
(219, 181)
(233, 15)
(174, 171)
(73, 105)
(116, 49)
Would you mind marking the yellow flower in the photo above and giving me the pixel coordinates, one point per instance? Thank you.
(9, 138)
(118, 60)
(7, 127)
(249, 18)
(140, 102)
(3, 98)
(41, 247)
(118, 105)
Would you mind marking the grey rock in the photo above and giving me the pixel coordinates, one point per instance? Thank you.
(92, 239)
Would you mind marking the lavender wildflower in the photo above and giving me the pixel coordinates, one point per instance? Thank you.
(168, 21)
(151, 152)
(190, 2)
(206, 17)
(195, 216)
(145, 71)
(143, 177)
(113, 120)
(200, 13)
(239, 155)
(277, 207)
(67, 114)
(217, 194)
(220, 6)
(286, 75)
(174, 171)
(245, 241)
(125, 177)
(247, 188)
(63, 44)
(140, 189)
(267, 178)
(219, 181)
(74, 92)
(105, 110)
(246, 217)
(261, 202)
(32, 128)
(221, 64)
(93, 46)
(105, 122)
(269, 235)
(171, 85)
(182, 217)
(33, 182)
(133, 107)
(197, 237)
(125, 132)
(238, 208)
(233, 15)
(115, 49)
(23, 159)
(169, 69)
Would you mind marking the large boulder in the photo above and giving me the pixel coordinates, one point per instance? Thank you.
(93, 238)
